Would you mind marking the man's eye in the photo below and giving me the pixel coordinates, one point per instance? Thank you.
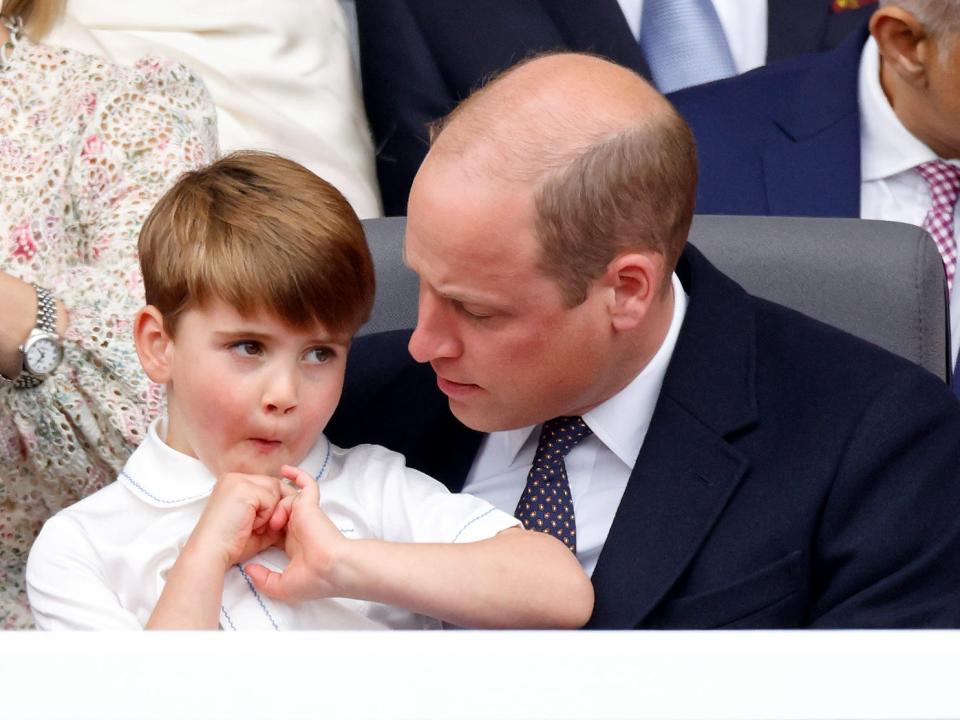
(473, 313)
(247, 348)
(320, 355)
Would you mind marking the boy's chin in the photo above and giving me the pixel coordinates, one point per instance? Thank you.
(255, 466)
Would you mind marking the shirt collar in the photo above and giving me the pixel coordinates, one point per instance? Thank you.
(621, 422)
(886, 146)
(163, 477)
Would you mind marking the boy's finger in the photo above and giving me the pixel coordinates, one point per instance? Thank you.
(266, 500)
(281, 513)
(304, 481)
(265, 581)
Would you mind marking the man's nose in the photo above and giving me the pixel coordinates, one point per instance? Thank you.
(436, 334)
(281, 391)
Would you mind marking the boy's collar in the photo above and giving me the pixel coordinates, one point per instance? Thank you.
(166, 478)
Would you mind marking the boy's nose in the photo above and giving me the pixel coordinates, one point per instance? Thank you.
(280, 394)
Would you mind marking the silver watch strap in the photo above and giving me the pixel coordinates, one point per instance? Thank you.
(46, 321)
(46, 310)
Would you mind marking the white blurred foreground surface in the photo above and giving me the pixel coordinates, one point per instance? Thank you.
(449, 675)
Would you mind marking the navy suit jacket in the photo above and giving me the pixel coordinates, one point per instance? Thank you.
(792, 475)
(419, 58)
(783, 139)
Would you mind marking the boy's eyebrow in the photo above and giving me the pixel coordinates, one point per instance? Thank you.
(247, 334)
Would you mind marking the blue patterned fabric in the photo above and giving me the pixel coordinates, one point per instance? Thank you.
(546, 505)
(684, 43)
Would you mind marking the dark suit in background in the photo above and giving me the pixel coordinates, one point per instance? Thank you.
(783, 139)
(418, 58)
(792, 476)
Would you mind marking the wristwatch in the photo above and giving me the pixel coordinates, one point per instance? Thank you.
(41, 352)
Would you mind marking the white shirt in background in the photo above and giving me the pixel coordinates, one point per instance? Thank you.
(280, 73)
(891, 188)
(744, 23)
(599, 466)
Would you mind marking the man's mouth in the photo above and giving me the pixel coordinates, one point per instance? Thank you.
(452, 388)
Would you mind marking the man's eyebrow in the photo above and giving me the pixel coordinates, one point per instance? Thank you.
(467, 298)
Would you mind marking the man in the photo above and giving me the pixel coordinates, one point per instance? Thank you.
(420, 57)
(862, 131)
(713, 459)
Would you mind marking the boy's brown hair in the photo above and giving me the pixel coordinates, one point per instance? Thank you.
(259, 232)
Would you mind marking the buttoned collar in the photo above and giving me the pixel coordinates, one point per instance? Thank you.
(163, 477)
(621, 422)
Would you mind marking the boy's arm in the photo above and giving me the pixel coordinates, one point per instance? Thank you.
(514, 579)
(234, 526)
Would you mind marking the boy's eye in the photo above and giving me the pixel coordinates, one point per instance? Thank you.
(247, 348)
(319, 355)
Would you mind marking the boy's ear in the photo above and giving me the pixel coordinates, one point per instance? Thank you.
(153, 343)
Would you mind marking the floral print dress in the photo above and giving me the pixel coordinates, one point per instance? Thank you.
(86, 149)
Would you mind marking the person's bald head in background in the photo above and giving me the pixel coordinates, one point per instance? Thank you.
(545, 224)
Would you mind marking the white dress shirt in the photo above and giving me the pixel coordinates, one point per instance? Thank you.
(599, 467)
(102, 563)
(891, 188)
(744, 23)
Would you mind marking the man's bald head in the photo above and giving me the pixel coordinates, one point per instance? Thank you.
(612, 164)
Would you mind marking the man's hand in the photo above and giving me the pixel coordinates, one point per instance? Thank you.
(236, 523)
(312, 543)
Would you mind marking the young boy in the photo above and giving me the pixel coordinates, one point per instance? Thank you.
(257, 275)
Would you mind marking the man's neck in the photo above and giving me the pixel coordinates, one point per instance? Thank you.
(645, 342)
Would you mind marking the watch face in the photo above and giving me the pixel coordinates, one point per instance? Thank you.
(42, 357)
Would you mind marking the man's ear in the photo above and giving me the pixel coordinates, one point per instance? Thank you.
(635, 279)
(904, 43)
(153, 344)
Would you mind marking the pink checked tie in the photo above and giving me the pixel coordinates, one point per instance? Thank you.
(943, 180)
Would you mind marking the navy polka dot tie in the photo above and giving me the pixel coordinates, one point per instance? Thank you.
(546, 505)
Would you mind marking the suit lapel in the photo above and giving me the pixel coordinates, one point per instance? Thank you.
(599, 27)
(686, 471)
(812, 164)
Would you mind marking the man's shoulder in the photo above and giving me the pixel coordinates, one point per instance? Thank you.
(759, 80)
(743, 95)
(796, 358)
(813, 80)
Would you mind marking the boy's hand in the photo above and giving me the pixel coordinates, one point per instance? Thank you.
(312, 544)
(235, 525)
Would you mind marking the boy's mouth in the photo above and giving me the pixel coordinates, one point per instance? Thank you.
(266, 445)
